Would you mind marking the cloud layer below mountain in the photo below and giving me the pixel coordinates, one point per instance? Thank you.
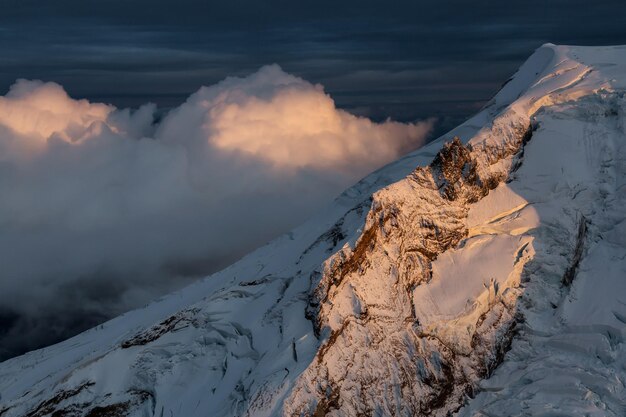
(103, 209)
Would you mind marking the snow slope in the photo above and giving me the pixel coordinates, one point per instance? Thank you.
(486, 276)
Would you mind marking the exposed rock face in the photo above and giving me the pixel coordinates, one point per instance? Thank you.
(377, 359)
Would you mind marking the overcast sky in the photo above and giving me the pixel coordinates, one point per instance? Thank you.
(399, 59)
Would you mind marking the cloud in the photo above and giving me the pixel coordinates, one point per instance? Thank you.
(290, 124)
(103, 209)
(35, 111)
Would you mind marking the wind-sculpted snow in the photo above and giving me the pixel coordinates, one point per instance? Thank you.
(569, 356)
(483, 275)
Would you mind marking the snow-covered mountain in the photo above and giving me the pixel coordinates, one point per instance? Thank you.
(481, 275)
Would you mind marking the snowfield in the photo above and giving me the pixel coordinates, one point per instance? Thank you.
(484, 276)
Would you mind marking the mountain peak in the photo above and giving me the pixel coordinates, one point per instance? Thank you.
(436, 285)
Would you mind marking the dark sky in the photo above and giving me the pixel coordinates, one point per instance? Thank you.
(398, 59)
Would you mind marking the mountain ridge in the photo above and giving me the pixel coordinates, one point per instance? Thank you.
(402, 297)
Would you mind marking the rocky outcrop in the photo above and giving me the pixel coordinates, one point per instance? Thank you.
(376, 358)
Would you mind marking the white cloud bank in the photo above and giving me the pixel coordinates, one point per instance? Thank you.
(102, 209)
